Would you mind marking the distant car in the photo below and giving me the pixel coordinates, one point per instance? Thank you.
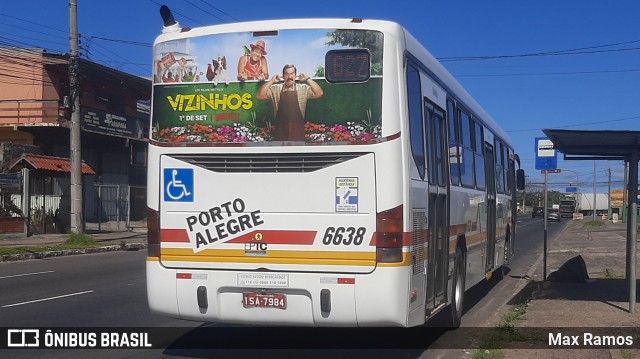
(537, 212)
(553, 214)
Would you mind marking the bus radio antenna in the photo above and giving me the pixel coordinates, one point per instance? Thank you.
(170, 23)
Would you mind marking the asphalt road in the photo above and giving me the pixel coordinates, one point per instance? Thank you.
(109, 290)
(84, 291)
(485, 299)
(485, 302)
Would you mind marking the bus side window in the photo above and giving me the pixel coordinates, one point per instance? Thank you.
(466, 158)
(430, 144)
(416, 131)
(439, 129)
(478, 148)
(454, 141)
(499, 157)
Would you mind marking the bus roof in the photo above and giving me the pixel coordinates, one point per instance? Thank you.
(282, 24)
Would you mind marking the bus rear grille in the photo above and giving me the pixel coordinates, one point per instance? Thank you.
(418, 240)
(240, 163)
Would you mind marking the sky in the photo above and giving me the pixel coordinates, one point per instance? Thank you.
(532, 65)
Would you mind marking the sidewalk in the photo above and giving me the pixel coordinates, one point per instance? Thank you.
(599, 307)
(110, 241)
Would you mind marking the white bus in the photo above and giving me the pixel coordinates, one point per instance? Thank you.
(362, 186)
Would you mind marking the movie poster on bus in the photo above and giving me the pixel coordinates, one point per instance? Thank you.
(234, 88)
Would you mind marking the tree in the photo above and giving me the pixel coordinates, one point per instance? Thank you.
(534, 199)
(371, 40)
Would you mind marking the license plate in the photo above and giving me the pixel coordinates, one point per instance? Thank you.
(272, 300)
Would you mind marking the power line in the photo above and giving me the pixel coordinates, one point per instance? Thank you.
(126, 42)
(184, 16)
(34, 23)
(581, 124)
(36, 31)
(145, 67)
(576, 51)
(201, 9)
(555, 73)
(233, 17)
(12, 41)
(30, 38)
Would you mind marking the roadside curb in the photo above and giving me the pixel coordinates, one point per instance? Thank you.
(534, 271)
(70, 252)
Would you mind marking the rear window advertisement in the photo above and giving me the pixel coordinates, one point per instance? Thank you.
(234, 88)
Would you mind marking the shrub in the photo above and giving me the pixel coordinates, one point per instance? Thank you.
(80, 239)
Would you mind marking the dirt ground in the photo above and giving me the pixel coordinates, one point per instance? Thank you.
(594, 312)
(559, 315)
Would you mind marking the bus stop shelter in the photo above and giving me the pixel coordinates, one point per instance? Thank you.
(608, 145)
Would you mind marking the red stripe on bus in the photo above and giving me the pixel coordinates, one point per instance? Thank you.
(183, 275)
(174, 235)
(277, 237)
(266, 236)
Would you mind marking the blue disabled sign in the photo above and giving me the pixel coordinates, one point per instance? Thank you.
(546, 154)
(178, 185)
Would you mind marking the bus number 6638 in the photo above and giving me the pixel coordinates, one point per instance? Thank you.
(342, 235)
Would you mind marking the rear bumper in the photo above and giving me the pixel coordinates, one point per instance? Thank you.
(355, 299)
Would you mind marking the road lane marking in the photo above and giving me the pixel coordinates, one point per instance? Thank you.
(46, 299)
(26, 274)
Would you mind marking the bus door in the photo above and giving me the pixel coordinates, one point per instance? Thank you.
(438, 205)
(490, 177)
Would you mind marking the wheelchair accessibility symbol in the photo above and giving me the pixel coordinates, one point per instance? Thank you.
(178, 185)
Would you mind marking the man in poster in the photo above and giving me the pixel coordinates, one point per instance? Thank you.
(289, 102)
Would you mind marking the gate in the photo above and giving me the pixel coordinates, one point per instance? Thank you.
(115, 207)
(45, 204)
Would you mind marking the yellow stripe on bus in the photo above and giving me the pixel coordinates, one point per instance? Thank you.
(272, 260)
(240, 253)
(281, 257)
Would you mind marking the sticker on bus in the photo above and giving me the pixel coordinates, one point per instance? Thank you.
(346, 194)
(178, 185)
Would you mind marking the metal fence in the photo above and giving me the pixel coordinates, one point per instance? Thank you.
(107, 207)
(115, 207)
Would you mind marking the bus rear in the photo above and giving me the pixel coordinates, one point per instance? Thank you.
(266, 163)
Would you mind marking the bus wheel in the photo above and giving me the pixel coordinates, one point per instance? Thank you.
(457, 295)
(502, 271)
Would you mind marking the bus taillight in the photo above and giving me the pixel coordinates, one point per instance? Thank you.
(389, 235)
(153, 233)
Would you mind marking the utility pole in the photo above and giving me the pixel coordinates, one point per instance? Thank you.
(544, 265)
(625, 201)
(74, 140)
(594, 190)
(609, 196)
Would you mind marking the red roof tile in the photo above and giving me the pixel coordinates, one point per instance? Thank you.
(49, 163)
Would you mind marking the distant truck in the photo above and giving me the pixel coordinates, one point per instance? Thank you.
(567, 207)
(584, 203)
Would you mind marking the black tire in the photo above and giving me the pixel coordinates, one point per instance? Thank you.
(501, 271)
(457, 288)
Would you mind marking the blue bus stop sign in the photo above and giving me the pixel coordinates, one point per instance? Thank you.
(546, 154)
